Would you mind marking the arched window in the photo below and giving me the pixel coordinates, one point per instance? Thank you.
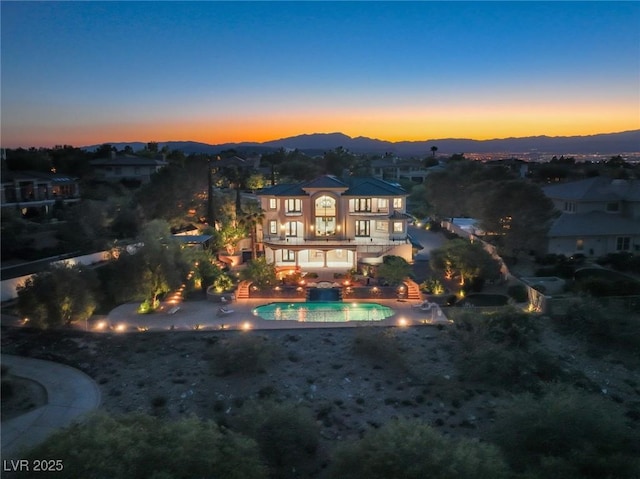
(325, 216)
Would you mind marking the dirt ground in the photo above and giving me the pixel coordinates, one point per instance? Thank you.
(349, 390)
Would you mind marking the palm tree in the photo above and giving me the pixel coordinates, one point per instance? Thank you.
(251, 217)
(433, 151)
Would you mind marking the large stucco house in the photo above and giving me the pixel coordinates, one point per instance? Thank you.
(35, 190)
(597, 216)
(331, 222)
(127, 168)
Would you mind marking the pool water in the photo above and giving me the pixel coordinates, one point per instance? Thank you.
(323, 311)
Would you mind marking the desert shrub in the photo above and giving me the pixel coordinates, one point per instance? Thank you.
(287, 435)
(501, 349)
(601, 325)
(380, 345)
(413, 450)
(566, 433)
(518, 292)
(242, 354)
(145, 447)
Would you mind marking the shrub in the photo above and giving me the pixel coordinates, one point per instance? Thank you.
(287, 435)
(242, 354)
(600, 325)
(146, 447)
(413, 450)
(566, 433)
(379, 345)
(499, 349)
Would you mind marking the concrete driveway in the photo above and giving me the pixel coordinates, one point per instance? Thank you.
(70, 394)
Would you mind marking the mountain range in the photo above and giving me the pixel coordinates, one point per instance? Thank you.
(316, 143)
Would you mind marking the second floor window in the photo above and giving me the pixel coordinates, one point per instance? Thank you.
(293, 205)
(362, 228)
(273, 227)
(397, 203)
(383, 204)
(273, 203)
(397, 226)
(292, 228)
(362, 204)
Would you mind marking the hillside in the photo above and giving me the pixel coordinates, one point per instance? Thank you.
(603, 144)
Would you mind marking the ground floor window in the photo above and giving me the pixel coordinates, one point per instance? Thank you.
(397, 226)
(288, 255)
(623, 243)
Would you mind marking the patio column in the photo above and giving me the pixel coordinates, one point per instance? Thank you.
(324, 256)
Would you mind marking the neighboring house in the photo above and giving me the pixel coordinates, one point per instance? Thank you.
(393, 168)
(598, 216)
(127, 168)
(27, 190)
(335, 223)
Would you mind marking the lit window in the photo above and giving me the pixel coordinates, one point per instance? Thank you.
(293, 205)
(362, 228)
(292, 228)
(288, 255)
(382, 226)
(273, 227)
(397, 203)
(273, 203)
(362, 204)
(580, 245)
(383, 204)
(397, 226)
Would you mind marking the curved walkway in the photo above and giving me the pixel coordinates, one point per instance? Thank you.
(70, 394)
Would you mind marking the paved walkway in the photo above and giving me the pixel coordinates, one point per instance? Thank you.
(70, 394)
(204, 315)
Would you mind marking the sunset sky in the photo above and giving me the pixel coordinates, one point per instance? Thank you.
(88, 72)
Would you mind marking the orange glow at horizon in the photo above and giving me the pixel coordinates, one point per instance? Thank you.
(477, 123)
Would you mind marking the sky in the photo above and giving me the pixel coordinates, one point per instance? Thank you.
(85, 73)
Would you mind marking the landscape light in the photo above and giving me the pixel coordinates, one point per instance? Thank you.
(246, 326)
(402, 322)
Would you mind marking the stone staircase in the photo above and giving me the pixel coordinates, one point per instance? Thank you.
(242, 292)
(413, 290)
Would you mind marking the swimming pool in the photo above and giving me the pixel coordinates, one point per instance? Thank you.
(323, 311)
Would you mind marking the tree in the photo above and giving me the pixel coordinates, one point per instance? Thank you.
(460, 257)
(517, 210)
(252, 216)
(413, 450)
(394, 269)
(260, 273)
(433, 151)
(160, 260)
(141, 446)
(60, 296)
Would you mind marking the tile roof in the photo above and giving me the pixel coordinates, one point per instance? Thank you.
(357, 186)
(127, 161)
(598, 188)
(595, 223)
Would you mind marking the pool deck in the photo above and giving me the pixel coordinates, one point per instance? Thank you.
(203, 315)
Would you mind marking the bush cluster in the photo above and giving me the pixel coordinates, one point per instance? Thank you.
(242, 354)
